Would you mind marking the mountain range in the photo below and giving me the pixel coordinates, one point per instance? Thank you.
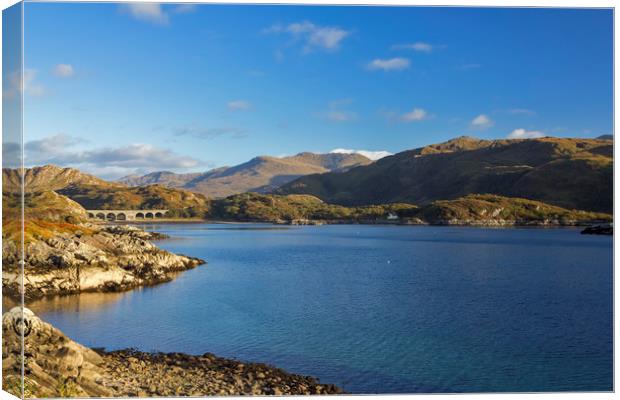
(261, 174)
(570, 173)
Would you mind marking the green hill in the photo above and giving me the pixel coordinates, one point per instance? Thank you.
(570, 173)
(181, 203)
(274, 208)
(488, 209)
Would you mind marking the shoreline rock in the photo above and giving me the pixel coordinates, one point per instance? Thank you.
(56, 366)
(113, 258)
(602, 229)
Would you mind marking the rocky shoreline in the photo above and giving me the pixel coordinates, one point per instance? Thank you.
(56, 366)
(104, 259)
(446, 222)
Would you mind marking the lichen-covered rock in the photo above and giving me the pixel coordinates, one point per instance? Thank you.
(110, 259)
(54, 365)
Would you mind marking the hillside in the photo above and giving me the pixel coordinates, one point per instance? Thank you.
(261, 174)
(570, 173)
(475, 209)
(181, 203)
(55, 194)
(165, 178)
(49, 177)
(274, 208)
(47, 214)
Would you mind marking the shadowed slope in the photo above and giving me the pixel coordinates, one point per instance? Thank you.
(571, 173)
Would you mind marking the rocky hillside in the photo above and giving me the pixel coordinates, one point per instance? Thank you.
(63, 190)
(48, 177)
(164, 178)
(48, 205)
(492, 210)
(261, 174)
(56, 366)
(65, 258)
(570, 173)
(475, 209)
(181, 203)
(281, 209)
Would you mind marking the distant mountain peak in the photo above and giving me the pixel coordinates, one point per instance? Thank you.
(260, 174)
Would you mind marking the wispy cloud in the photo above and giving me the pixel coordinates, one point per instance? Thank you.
(524, 134)
(63, 70)
(392, 64)
(337, 111)
(340, 116)
(52, 145)
(521, 111)
(148, 12)
(112, 162)
(239, 105)
(373, 155)
(185, 8)
(417, 114)
(417, 46)
(314, 36)
(155, 13)
(209, 133)
(482, 122)
(26, 83)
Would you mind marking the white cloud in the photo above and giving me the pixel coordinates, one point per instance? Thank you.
(327, 38)
(417, 46)
(155, 12)
(30, 86)
(417, 114)
(185, 8)
(52, 145)
(373, 155)
(392, 64)
(314, 36)
(340, 116)
(239, 105)
(524, 134)
(482, 121)
(64, 70)
(148, 12)
(63, 150)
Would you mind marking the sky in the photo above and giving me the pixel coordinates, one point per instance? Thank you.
(116, 89)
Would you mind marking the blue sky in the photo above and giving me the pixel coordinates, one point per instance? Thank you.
(115, 89)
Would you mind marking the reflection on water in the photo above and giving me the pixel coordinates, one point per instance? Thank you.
(221, 227)
(8, 303)
(78, 302)
(376, 309)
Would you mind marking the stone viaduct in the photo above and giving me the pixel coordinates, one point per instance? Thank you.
(126, 215)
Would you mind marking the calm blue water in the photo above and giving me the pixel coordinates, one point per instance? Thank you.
(376, 308)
